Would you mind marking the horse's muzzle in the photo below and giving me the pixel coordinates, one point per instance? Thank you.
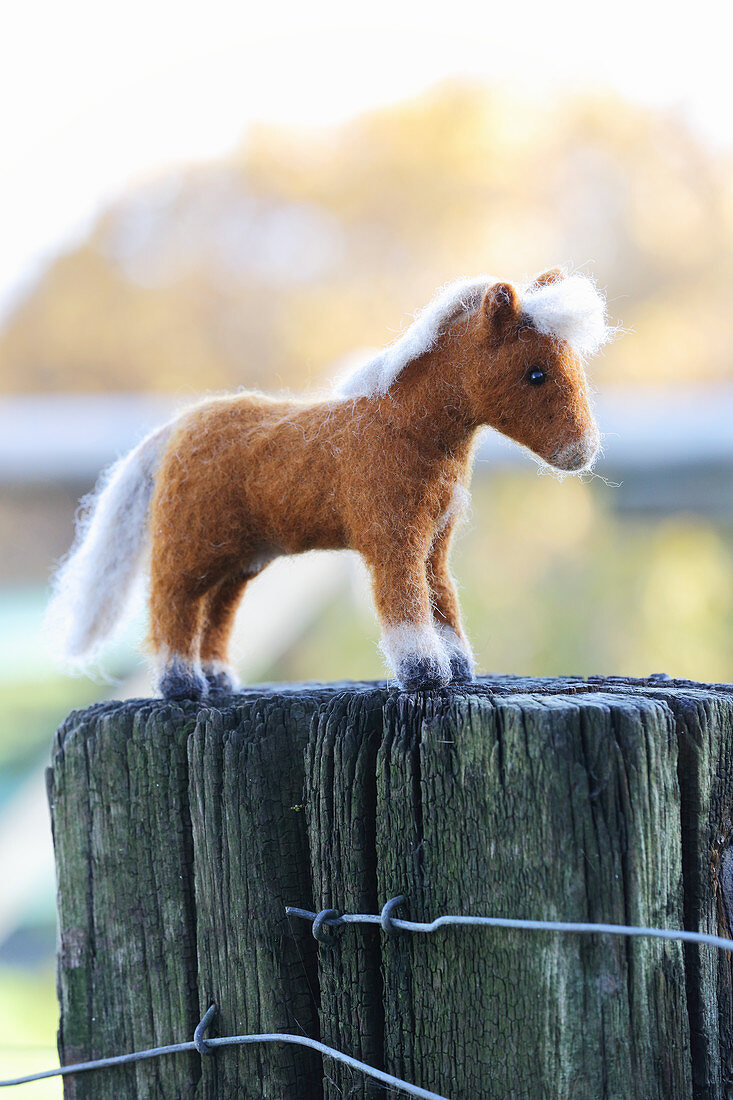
(577, 456)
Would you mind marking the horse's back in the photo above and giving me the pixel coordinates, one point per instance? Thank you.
(260, 471)
(235, 418)
(240, 410)
(224, 437)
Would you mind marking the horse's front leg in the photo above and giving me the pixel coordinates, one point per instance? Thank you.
(446, 610)
(410, 641)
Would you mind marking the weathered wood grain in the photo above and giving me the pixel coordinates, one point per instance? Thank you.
(127, 933)
(704, 725)
(542, 809)
(182, 832)
(251, 853)
(341, 800)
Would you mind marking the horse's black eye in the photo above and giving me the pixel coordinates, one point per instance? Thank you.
(535, 376)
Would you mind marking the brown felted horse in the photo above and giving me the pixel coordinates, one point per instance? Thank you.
(381, 466)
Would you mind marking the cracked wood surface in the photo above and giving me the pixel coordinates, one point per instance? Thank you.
(181, 832)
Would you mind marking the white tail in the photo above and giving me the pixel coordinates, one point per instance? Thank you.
(94, 583)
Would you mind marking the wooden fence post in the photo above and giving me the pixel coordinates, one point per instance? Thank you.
(182, 832)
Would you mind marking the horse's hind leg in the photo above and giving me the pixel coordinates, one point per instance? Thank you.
(175, 623)
(220, 608)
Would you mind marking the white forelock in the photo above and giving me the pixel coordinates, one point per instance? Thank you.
(572, 309)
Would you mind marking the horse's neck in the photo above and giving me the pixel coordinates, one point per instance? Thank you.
(428, 403)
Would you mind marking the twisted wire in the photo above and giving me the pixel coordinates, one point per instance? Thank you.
(331, 918)
(207, 1046)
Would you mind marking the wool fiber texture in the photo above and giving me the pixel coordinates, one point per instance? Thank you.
(93, 585)
(239, 480)
(570, 309)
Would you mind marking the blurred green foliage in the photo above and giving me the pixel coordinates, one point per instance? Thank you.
(553, 581)
(31, 710)
(28, 1022)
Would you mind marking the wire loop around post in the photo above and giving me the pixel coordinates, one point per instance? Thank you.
(319, 928)
(385, 917)
(201, 1027)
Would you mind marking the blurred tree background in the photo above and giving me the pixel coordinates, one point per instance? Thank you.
(264, 269)
(267, 270)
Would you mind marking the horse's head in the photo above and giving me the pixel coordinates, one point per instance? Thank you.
(527, 380)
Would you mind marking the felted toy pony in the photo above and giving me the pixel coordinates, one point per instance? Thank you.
(381, 465)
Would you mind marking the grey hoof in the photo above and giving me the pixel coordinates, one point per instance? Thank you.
(183, 681)
(422, 674)
(220, 678)
(461, 669)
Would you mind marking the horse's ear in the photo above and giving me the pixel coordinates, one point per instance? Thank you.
(501, 307)
(554, 275)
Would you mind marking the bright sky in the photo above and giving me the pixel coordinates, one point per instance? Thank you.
(95, 96)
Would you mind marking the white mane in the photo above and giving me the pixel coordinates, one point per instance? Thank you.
(571, 309)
